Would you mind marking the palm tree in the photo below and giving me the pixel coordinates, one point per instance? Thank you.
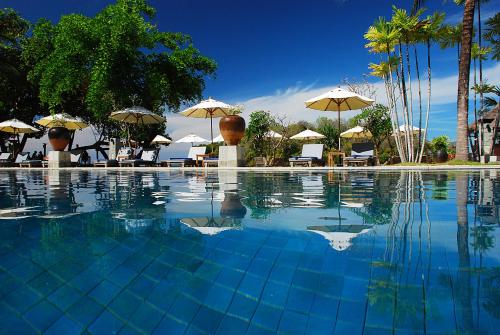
(463, 80)
(451, 37)
(431, 31)
(382, 37)
(478, 53)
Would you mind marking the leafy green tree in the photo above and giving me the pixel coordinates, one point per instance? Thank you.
(259, 125)
(378, 121)
(91, 66)
(330, 129)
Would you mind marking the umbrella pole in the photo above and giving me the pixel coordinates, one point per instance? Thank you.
(211, 130)
(338, 120)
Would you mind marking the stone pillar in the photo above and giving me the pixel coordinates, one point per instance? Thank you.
(59, 159)
(114, 145)
(231, 156)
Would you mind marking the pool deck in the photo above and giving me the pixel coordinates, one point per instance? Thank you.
(278, 169)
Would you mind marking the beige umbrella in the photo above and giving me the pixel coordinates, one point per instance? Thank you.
(210, 108)
(356, 133)
(16, 127)
(307, 135)
(160, 139)
(62, 120)
(137, 115)
(339, 100)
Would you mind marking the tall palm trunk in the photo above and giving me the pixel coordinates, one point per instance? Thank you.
(428, 97)
(475, 111)
(417, 158)
(397, 136)
(463, 80)
(405, 101)
(410, 103)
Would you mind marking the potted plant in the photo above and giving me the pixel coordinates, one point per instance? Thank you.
(440, 146)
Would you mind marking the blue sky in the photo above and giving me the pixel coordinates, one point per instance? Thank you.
(272, 54)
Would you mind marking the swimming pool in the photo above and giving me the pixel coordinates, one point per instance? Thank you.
(226, 252)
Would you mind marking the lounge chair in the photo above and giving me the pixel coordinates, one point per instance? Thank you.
(362, 154)
(148, 158)
(311, 154)
(123, 153)
(75, 160)
(190, 160)
(5, 159)
(21, 157)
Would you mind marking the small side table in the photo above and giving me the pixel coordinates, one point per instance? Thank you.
(202, 156)
(332, 155)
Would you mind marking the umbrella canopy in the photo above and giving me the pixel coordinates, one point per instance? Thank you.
(137, 115)
(356, 132)
(192, 138)
(209, 108)
(218, 139)
(339, 100)
(273, 134)
(160, 139)
(414, 130)
(62, 120)
(307, 135)
(15, 126)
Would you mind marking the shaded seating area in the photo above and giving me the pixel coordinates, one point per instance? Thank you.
(311, 154)
(192, 158)
(362, 154)
(147, 158)
(123, 154)
(5, 159)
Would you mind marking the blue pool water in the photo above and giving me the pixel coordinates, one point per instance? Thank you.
(222, 252)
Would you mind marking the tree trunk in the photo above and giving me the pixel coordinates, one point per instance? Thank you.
(428, 97)
(410, 104)
(418, 158)
(463, 81)
(479, 42)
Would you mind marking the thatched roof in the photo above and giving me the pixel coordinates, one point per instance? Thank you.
(487, 117)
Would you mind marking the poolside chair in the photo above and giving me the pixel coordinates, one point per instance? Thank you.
(148, 158)
(311, 154)
(75, 160)
(5, 159)
(211, 161)
(123, 153)
(22, 156)
(362, 154)
(190, 160)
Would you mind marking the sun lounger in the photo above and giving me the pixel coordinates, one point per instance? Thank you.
(190, 160)
(311, 154)
(362, 154)
(123, 153)
(148, 158)
(75, 160)
(5, 159)
(31, 163)
(22, 156)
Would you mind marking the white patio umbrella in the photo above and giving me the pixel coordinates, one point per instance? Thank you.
(209, 108)
(273, 134)
(356, 133)
(192, 138)
(62, 120)
(160, 139)
(218, 139)
(339, 100)
(403, 129)
(307, 135)
(14, 126)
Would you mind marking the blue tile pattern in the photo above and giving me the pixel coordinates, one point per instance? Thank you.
(249, 253)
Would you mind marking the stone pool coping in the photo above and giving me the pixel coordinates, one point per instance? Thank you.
(270, 169)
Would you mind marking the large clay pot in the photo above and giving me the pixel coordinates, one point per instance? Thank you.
(232, 129)
(59, 138)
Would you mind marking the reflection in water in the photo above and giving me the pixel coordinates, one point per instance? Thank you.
(397, 252)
